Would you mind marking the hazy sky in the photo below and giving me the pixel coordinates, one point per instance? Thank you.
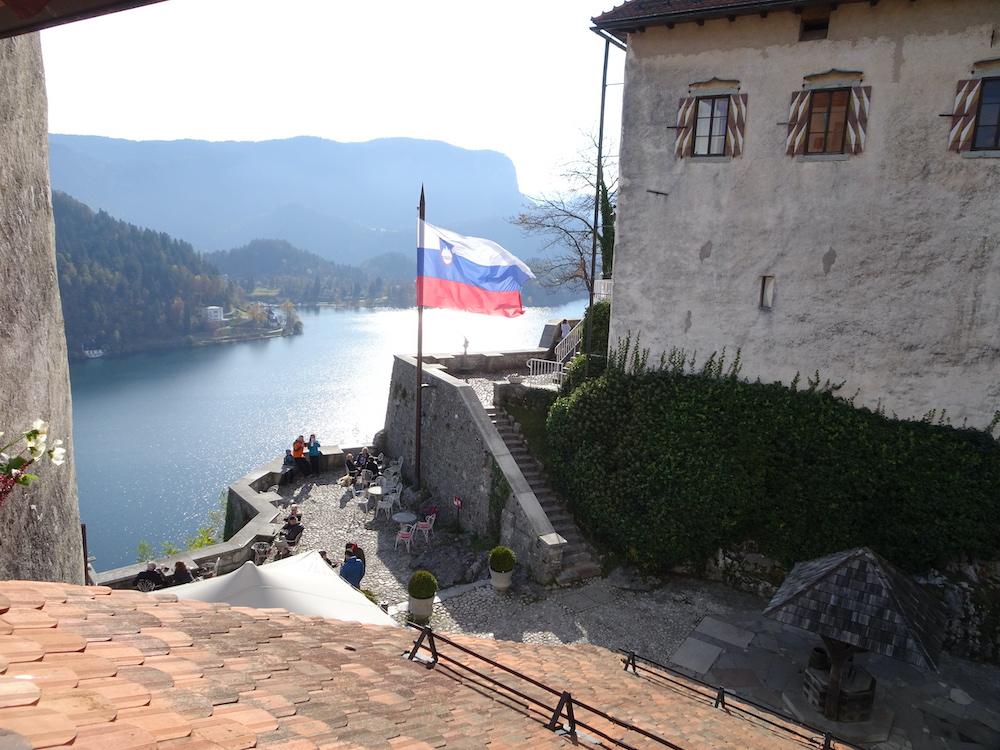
(522, 77)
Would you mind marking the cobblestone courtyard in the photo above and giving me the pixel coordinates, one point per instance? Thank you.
(703, 629)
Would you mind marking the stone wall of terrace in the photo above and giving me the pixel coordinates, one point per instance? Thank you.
(253, 514)
(464, 455)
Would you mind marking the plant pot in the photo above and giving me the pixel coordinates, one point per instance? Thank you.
(421, 609)
(515, 379)
(501, 581)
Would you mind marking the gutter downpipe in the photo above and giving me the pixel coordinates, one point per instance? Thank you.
(588, 334)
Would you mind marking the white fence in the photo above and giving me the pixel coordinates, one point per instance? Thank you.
(545, 368)
(602, 289)
(566, 348)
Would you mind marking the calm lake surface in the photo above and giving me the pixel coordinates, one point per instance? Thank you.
(158, 437)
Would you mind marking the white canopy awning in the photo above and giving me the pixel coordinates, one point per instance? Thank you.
(303, 584)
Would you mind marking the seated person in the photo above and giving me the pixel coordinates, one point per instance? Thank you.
(358, 552)
(152, 575)
(287, 466)
(293, 512)
(288, 537)
(367, 461)
(352, 471)
(353, 570)
(181, 574)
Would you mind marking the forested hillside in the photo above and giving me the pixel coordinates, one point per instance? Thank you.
(275, 267)
(124, 287)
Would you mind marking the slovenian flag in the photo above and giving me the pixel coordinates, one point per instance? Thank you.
(467, 273)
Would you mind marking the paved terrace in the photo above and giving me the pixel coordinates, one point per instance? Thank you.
(704, 629)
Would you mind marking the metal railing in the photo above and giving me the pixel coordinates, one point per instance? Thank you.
(566, 707)
(737, 703)
(602, 289)
(566, 348)
(545, 367)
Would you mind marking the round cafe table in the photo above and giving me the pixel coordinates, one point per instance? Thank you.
(374, 491)
(404, 517)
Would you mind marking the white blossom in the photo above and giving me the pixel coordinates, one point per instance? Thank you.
(40, 425)
(58, 455)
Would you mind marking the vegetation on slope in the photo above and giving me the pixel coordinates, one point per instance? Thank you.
(667, 464)
(123, 286)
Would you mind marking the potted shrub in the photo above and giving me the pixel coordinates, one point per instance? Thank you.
(502, 562)
(423, 586)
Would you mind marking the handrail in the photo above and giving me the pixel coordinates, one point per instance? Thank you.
(543, 367)
(719, 701)
(566, 348)
(564, 708)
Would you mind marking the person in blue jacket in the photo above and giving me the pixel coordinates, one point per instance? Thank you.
(314, 454)
(352, 570)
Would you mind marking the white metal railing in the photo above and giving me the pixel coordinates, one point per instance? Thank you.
(566, 348)
(545, 368)
(602, 289)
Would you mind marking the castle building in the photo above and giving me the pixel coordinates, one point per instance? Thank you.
(816, 184)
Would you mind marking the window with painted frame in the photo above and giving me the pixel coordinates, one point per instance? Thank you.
(987, 133)
(827, 121)
(711, 120)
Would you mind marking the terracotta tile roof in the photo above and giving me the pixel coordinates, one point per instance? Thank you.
(87, 667)
(634, 14)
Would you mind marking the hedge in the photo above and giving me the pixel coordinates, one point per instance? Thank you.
(600, 317)
(666, 466)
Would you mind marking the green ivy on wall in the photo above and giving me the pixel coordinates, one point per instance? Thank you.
(499, 492)
(668, 463)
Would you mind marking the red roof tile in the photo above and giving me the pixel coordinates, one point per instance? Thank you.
(126, 671)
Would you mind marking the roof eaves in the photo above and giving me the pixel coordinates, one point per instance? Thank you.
(747, 7)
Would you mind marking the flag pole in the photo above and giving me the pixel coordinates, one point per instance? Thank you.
(420, 341)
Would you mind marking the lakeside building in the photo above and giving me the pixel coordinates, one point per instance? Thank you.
(817, 185)
(212, 314)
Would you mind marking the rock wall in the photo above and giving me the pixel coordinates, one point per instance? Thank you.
(886, 264)
(464, 455)
(44, 544)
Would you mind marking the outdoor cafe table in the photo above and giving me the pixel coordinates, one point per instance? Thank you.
(374, 491)
(404, 517)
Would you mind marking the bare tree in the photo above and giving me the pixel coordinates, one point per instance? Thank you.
(566, 221)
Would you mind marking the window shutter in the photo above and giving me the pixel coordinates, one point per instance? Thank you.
(963, 115)
(685, 128)
(736, 125)
(857, 119)
(798, 122)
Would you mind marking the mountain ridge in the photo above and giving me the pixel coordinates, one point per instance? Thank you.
(345, 201)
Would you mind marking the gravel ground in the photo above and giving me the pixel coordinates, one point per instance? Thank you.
(622, 610)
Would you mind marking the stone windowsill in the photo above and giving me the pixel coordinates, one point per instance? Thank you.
(822, 157)
(990, 154)
(709, 159)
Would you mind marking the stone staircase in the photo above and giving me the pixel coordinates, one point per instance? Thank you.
(578, 561)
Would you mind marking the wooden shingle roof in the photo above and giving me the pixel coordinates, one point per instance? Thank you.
(95, 669)
(859, 598)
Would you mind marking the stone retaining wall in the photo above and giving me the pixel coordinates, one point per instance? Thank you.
(460, 449)
(253, 514)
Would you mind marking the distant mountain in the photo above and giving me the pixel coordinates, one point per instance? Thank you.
(346, 202)
(124, 287)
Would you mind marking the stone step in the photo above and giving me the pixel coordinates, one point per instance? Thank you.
(578, 573)
(572, 558)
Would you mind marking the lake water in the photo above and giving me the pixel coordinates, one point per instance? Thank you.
(158, 437)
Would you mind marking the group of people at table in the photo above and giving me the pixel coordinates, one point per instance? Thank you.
(162, 577)
(302, 457)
